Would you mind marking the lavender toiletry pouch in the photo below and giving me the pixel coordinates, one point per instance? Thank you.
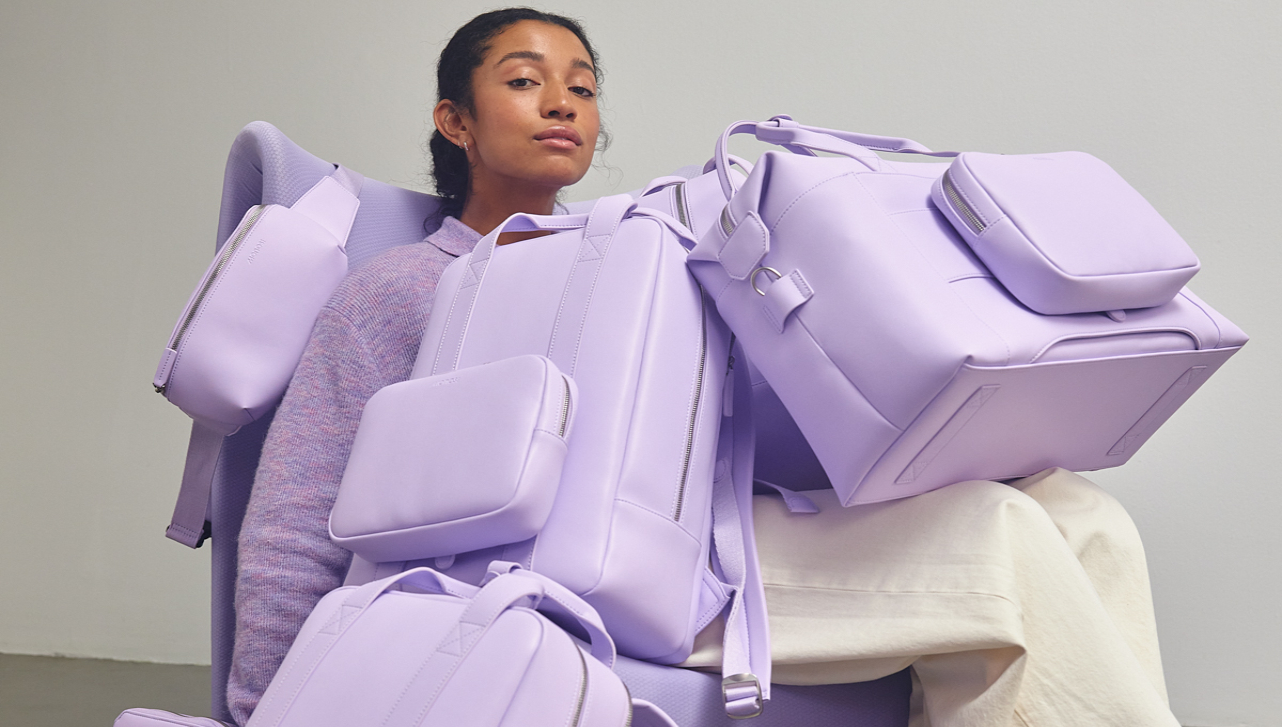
(456, 462)
(1063, 232)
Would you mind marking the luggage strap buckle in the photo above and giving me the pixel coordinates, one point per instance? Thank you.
(742, 696)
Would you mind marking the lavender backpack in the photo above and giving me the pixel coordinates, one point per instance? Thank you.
(650, 472)
(911, 360)
(265, 167)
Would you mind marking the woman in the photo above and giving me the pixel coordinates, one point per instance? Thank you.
(1013, 604)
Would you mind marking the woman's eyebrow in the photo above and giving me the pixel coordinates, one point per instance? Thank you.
(530, 55)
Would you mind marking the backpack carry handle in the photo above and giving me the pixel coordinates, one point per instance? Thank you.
(598, 227)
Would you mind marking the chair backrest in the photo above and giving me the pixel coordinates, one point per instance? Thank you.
(265, 167)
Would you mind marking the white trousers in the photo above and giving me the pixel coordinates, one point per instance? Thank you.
(1021, 604)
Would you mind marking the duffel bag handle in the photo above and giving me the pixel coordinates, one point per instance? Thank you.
(491, 601)
(801, 139)
(561, 601)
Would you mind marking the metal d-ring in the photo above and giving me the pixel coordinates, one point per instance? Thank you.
(762, 269)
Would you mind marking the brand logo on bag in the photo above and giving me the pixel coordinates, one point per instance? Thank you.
(443, 382)
(254, 253)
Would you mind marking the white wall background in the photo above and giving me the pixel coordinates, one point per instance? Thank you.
(115, 119)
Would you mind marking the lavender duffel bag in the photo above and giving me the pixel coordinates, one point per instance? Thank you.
(423, 649)
(907, 361)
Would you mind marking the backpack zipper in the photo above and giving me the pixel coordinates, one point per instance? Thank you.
(223, 258)
(972, 218)
(565, 407)
(694, 411)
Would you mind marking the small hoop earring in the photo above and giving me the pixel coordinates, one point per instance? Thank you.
(465, 146)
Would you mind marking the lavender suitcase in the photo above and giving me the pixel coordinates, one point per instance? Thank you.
(265, 167)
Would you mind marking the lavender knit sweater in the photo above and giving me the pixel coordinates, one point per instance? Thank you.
(365, 338)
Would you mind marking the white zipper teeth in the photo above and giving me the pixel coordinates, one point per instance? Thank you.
(694, 411)
(583, 688)
(726, 223)
(223, 258)
(971, 217)
(679, 193)
(565, 407)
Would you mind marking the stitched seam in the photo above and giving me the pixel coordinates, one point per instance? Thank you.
(449, 317)
(853, 385)
(797, 199)
(979, 318)
(657, 514)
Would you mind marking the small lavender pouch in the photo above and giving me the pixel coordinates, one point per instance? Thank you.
(1063, 232)
(455, 462)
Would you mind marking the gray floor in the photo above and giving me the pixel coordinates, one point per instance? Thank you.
(45, 691)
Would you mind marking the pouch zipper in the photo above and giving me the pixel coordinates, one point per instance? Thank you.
(679, 195)
(565, 407)
(971, 217)
(694, 411)
(223, 258)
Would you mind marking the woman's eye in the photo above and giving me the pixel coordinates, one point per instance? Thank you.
(584, 92)
(521, 82)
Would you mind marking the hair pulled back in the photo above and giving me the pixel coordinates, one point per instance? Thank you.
(462, 55)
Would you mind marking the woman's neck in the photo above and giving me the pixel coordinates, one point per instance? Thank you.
(485, 210)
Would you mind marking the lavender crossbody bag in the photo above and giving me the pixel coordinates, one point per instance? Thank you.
(456, 462)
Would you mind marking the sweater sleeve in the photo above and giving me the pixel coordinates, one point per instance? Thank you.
(365, 338)
(286, 560)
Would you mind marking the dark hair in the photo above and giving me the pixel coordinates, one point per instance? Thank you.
(462, 55)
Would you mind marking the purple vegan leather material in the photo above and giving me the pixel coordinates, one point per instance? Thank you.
(421, 648)
(240, 336)
(611, 303)
(456, 462)
(1063, 232)
(903, 360)
(266, 167)
(652, 476)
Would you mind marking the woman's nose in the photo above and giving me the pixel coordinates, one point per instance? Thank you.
(558, 105)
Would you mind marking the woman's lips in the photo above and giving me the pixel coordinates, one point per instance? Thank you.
(559, 137)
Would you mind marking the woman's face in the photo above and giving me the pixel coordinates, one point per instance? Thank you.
(534, 119)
